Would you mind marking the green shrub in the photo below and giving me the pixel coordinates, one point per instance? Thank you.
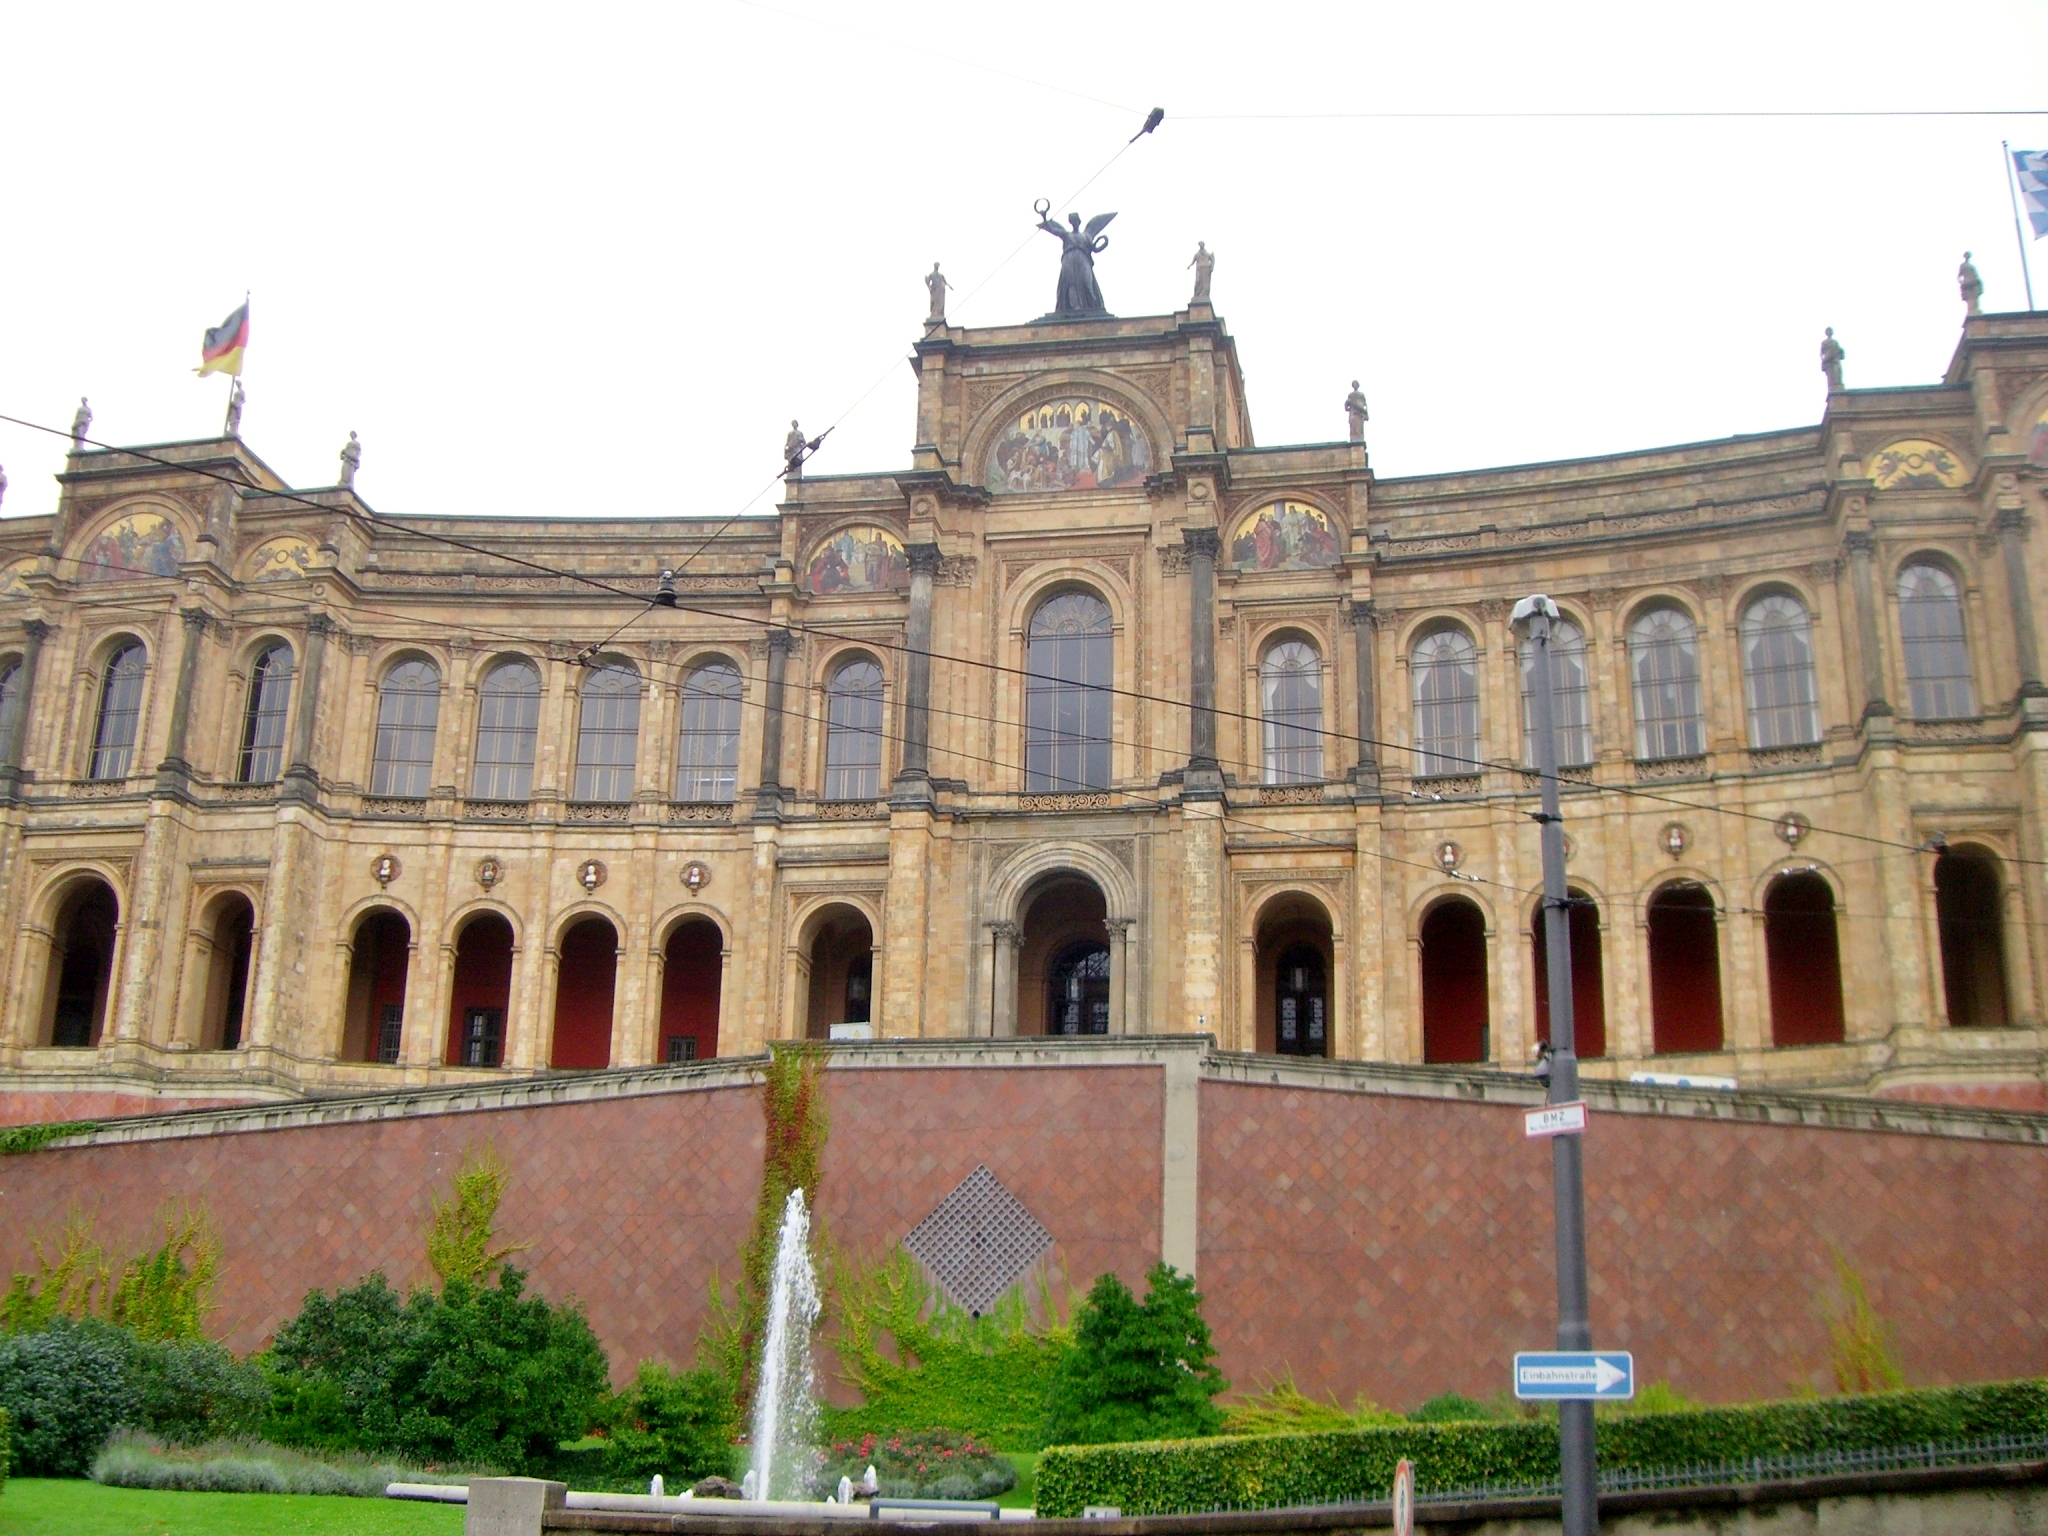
(1272, 1470)
(65, 1389)
(985, 1376)
(132, 1460)
(927, 1464)
(1451, 1408)
(679, 1424)
(194, 1392)
(1282, 1408)
(6, 1448)
(1136, 1371)
(476, 1373)
(463, 1228)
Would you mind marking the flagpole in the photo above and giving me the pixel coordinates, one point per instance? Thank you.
(2012, 190)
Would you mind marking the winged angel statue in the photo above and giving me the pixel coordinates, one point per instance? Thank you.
(1079, 298)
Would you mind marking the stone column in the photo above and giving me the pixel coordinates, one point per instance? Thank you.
(17, 730)
(1005, 939)
(1365, 631)
(768, 797)
(1204, 779)
(1863, 579)
(2012, 529)
(1119, 974)
(917, 699)
(301, 783)
(173, 771)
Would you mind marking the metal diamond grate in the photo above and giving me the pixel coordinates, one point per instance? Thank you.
(978, 1242)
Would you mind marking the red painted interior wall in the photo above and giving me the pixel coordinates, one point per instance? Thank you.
(1589, 996)
(583, 995)
(690, 979)
(1685, 971)
(390, 946)
(483, 974)
(1805, 959)
(1454, 983)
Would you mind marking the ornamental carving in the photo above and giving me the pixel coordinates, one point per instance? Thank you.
(1090, 801)
(852, 810)
(1173, 559)
(1290, 794)
(1805, 756)
(956, 571)
(393, 805)
(1652, 769)
(598, 810)
(497, 810)
(489, 871)
(700, 810)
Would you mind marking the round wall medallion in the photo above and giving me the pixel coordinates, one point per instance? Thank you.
(1674, 839)
(1448, 856)
(1791, 827)
(696, 875)
(1570, 847)
(489, 872)
(590, 874)
(385, 868)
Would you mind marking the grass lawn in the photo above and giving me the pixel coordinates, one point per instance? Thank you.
(35, 1506)
(1020, 1497)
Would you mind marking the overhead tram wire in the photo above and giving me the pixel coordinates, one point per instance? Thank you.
(529, 643)
(1476, 764)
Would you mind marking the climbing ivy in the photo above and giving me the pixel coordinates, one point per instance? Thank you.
(31, 1138)
(985, 1376)
(796, 1125)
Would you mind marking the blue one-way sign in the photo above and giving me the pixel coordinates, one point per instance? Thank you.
(1569, 1374)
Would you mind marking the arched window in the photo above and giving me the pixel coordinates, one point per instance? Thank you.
(853, 732)
(1301, 1004)
(1291, 702)
(1685, 969)
(113, 736)
(1455, 1023)
(408, 710)
(507, 724)
(1967, 910)
(1804, 958)
(1066, 694)
(1777, 669)
(708, 753)
(1446, 675)
(1664, 668)
(1572, 706)
(270, 701)
(608, 733)
(1937, 650)
(10, 699)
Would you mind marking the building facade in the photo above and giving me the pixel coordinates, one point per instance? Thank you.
(1099, 718)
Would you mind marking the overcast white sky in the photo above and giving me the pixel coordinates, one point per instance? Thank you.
(586, 260)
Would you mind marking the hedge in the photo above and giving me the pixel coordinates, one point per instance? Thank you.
(1271, 1471)
(6, 1448)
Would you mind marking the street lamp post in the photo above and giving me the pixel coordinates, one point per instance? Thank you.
(1532, 619)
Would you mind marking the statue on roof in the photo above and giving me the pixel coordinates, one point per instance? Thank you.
(1354, 411)
(235, 400)
(793, 447)
(1971, 284)
(351, 461)
(81, 423)
(1078, 298)
(1831, 355)
(1204, 265)
(938, 286)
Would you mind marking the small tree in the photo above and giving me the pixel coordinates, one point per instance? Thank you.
(1137, 1371)
(460, 1231)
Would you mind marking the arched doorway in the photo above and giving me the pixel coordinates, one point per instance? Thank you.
(81, 969)
(1589, 996)
(1296, 961)
(841, 982)
(230, 929)
(1064, 978)
(1967, 891)
(1804, 956)
(585, 979)
(1454, 1011)
(379, 956)
(482, 992)
(692, 976)
(1685, 970)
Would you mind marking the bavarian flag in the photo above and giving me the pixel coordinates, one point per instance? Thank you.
(221, 351)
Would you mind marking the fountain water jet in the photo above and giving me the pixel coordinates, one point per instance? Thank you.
(785, 1400)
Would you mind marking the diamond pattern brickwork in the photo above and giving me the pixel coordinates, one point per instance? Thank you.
(978, 1241)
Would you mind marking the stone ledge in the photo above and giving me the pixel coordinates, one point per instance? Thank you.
(1515, 1089)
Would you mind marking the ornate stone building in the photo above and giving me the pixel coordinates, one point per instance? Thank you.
(1098, 718)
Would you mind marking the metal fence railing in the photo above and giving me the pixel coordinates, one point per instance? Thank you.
(1989, 1450)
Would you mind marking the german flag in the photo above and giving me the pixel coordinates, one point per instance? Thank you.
(221, 351)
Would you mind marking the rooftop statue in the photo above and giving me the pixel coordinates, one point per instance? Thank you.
(1831, 355)
(81, 423)
(1354, 411)
(935, 281)
(351, 461)
(1205, 266)
(1079, 298)
(1971, 284)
